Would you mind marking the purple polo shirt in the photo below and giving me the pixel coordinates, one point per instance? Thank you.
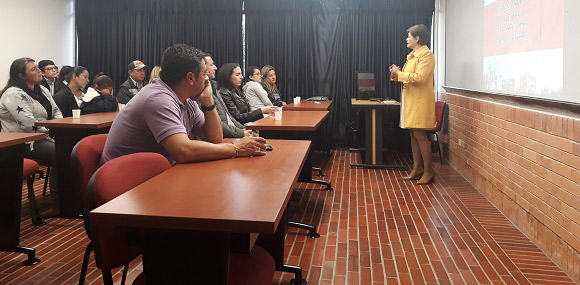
(154, 114)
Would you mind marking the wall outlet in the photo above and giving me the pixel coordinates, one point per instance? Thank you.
(461, 143)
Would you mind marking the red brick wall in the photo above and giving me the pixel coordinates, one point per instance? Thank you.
(527, 163)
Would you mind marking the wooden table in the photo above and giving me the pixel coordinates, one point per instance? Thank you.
(308, 106)
(11, 162)
(241, 195)
(67, 132)
(374, 132)
(294, 125)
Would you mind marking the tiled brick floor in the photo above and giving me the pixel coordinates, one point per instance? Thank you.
(375, 227)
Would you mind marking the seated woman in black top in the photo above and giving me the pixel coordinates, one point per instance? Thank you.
(70, 97)
(269, 83)
(99, 98)
(229, 81)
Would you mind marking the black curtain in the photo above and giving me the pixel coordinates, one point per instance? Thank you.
(112, 33)
(280, 33)
(317, 46)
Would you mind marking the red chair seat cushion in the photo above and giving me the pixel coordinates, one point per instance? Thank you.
(29, 167)
(255, 268)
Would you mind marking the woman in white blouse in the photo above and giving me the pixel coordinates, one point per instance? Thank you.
(254, 90)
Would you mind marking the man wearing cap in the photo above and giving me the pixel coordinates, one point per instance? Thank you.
(135, 82)
(49, 75)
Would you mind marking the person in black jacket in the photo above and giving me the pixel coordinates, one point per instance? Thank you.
(134, 83)
(70, 97)
(49, 75)
(99, 98)
(229, 81)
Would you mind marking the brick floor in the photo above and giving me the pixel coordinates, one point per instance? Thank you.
(375, 229)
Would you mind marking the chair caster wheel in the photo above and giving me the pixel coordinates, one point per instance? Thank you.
(313, 235)
(298, 282)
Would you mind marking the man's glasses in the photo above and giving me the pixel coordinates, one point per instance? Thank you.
(51, 68)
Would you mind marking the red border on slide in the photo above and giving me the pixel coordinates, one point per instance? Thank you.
(512, 26)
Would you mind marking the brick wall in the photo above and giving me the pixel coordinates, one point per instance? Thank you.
(527, 163)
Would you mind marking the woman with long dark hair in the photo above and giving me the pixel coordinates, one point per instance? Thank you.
(418, 100)
(229, 80)
(24, 102)
(70, 96)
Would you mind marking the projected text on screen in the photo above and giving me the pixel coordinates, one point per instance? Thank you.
(523, 47)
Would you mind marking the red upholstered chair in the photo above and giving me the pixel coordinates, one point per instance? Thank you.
(112, 245)
(85, 158)
(439, 111)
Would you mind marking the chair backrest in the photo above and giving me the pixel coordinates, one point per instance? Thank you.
(85, 159)
(439, 110)
(117, 176)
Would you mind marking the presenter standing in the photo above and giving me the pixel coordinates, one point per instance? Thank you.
(418, 100)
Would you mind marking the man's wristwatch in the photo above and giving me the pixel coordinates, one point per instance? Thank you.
(208, 108)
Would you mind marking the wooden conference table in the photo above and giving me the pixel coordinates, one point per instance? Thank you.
(374, 132)
(67, 132)
(309, 106)
(11, 159)
(293, 126)
(216, 201)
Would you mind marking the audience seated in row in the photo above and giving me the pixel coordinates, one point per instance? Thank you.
(230, 126)
(49, 75)
(229, 81)
(171, 111)
(24, 102)
(254, 90)
(134, 83)
(269, 82)
(99, 98)
(70, 96)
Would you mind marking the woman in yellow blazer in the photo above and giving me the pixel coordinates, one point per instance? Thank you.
(418, 100)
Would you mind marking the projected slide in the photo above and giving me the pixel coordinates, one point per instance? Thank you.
(523, 47)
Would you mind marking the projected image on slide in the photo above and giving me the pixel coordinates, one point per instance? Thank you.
(523, 47)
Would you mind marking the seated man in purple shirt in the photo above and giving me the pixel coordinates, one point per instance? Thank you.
(164, 117)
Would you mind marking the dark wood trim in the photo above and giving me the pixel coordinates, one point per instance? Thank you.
(545, 105)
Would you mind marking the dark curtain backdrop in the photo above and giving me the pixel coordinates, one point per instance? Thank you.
(112, 33)
(317, 46)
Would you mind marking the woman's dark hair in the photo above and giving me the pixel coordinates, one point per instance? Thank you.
(422, 32)
(102, 80)
(178, 60)
(18, 69)
(225, 74)
(249, 72)
(64, 71)
(77, 70)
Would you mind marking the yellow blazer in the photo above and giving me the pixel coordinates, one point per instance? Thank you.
(418, 96)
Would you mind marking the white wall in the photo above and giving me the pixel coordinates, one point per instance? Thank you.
(40, 29)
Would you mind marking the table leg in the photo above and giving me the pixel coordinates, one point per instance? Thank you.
(185, 257)
(374, 142)
(11, 160)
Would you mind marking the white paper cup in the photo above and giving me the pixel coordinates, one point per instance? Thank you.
(76, 113)
(278, 115)
(296, 100)
(121, 106)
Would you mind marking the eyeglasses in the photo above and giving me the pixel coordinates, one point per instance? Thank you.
(51, 68)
